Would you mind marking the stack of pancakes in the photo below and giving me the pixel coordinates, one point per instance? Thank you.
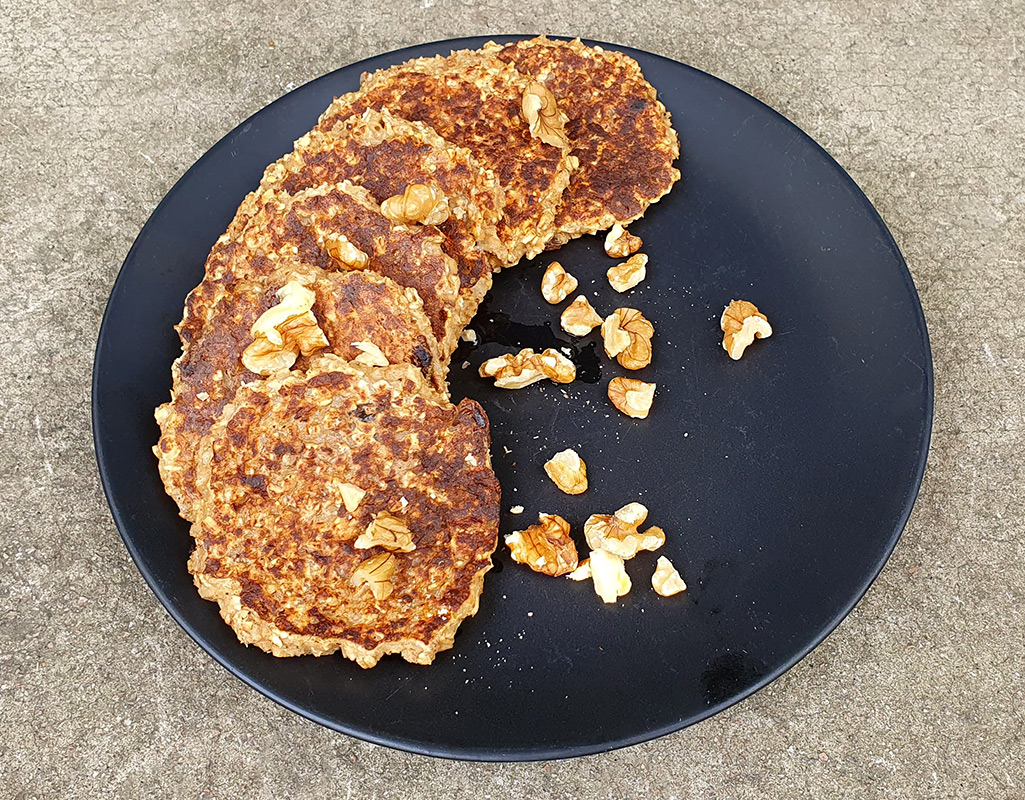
(256, 462)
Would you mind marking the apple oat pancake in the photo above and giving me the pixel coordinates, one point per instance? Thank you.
(349, 307)
(351, 509)
(472, 99)
(385, 155)
(620, 132)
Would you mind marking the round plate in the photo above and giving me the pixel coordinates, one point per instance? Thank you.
(782, 480)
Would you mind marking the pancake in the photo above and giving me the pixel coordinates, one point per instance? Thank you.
(386, 154)
(355, 306)
(621, 134)
(308, 225)
(472, 99)
(276, 545)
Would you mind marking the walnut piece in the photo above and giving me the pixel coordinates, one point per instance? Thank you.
(376, 572)
(345, 252)
(627, 337)
(284, 331)
(352, 496)
(620, 244)
(582, 572)
(370, 354)
(387, 531)
(667, 581)
(546, 547)
(527, 367)
(631, 397)
(557, 284)
(741, 322)
(627, 275)
(568, 471)
(609, 576)
(543, 117)
(419, 204)
(579, 318)
(620, 533)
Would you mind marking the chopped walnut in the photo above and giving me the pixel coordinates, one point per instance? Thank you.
(352, 496)
(557, 284)
(741, 322)
(542, 114)
(376, 572)
(370, 354)
(387, 531)
(620, 533)
(568, 471)
(345, 252)
(620, 244)
(284, 331)
(420, 203)
(631, 397)
(579, 318)
(582, 572)
(667, 581)
(627, 275)
(627, 337)
(556, 367)
(527, 367)
(546, 547)
(609, 575)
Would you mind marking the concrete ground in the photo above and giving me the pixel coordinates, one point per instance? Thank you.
(917, 695)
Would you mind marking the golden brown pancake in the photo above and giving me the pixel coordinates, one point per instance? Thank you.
(620, 132)
(386, 154)
(304, 225)
(355, 306)
(472, 99)
(275, 543)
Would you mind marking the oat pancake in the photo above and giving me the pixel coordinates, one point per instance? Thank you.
(309, 224)
(355, 306)
(620, 132)
(275, 543)
(472, 99)
(386, 154)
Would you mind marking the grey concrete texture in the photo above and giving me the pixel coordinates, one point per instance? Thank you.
(918, 694)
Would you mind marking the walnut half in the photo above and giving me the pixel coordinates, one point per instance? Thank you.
(568, 471)
(579, 318)
(376, 572)
(527, 367)
(620, 244)
(557, 284)
(627, 275)
(542, 114)
(419, 204)
(546, 547)
(620, 533)
(631, 397)
(387, 531)
(741, 322)
(627, 333)
(284, 331)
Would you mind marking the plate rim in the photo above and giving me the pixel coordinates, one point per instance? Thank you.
(498, 755)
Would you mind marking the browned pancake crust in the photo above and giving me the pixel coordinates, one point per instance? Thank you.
(386, 154)
(275, 544)
(472, 99)
(350, 307)
(620, 132)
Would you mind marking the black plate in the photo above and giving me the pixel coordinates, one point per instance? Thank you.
(783, 480)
